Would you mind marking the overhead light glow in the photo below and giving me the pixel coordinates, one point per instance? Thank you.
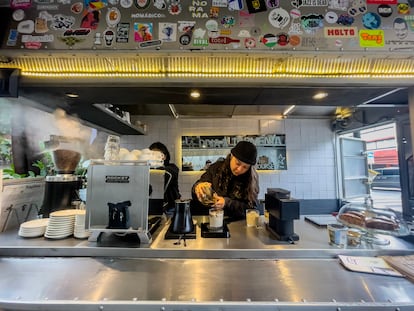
(72, 95)
(288, 110)
(320, 95)
(173, 111)
(195, 94)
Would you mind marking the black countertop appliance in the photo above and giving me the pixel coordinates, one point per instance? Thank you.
(282, 211)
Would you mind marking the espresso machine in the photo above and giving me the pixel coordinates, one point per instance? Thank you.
(62, 189)
(118, 199)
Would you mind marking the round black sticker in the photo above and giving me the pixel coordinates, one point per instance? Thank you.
(384, 10)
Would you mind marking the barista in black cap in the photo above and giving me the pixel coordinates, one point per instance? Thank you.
(234, 182)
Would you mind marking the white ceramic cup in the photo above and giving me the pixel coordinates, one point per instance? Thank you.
(216, 217)
(252, 217)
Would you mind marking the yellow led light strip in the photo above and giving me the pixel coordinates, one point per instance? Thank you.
(205, 67)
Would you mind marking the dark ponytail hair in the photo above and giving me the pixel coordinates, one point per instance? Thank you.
(161, 147)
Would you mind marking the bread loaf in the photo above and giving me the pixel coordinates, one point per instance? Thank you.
(381, 224)
(353, 218)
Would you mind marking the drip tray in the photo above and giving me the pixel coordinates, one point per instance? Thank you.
(207, 233)
(169, 235)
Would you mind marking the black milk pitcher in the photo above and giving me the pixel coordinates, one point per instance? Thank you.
(182, 219)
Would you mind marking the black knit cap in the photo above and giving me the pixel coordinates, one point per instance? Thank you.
(245, 151)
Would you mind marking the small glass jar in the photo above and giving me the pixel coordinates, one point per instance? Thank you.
(354, 237)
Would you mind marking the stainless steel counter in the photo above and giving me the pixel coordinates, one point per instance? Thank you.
(245, 242)
(248, 271)
(195, 284)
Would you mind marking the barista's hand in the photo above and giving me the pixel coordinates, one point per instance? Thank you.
(219, 201)
(202, 190)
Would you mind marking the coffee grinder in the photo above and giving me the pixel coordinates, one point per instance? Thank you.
(62, 189)
(282, 212)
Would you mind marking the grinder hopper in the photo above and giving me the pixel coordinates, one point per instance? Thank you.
(65, 153)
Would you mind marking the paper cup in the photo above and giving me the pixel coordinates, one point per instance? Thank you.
(216, 217)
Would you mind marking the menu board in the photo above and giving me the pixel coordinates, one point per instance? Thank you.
(200, 151)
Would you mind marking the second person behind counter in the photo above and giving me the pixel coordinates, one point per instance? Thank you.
(234, 182)
(172, 191)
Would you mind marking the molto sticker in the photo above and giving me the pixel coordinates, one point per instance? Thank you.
(279, 18)
(371, 38)
(340, 32)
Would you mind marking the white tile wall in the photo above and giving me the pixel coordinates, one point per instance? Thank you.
(309, 144)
